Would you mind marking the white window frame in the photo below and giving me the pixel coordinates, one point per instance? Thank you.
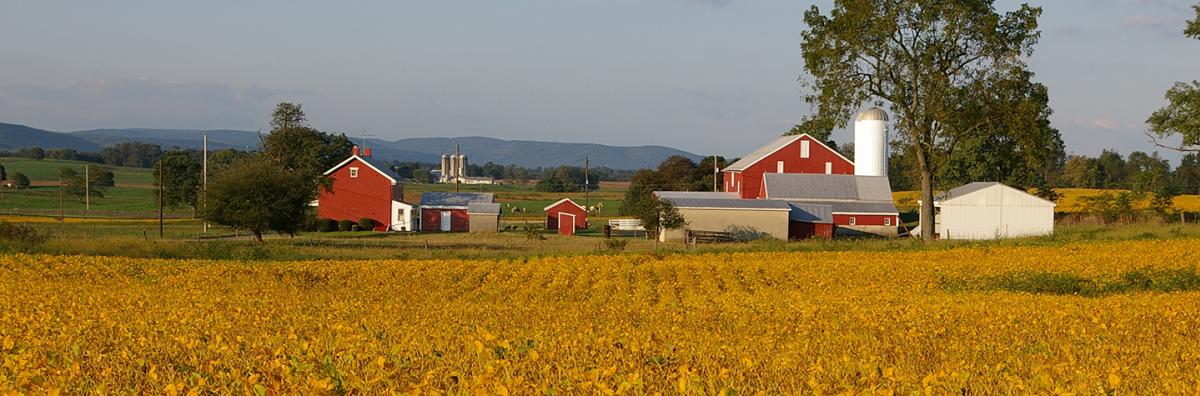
(353, 173)
(778, 166)
(887, 221)
(828, 168)
(804, 149)
(853, 220)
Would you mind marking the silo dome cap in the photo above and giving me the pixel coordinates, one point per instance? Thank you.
(873, 114)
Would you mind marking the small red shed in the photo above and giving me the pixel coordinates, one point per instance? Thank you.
(566, 211)
(449, 212)
(787, 154)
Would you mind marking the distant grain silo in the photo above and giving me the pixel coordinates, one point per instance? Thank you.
(462, 165)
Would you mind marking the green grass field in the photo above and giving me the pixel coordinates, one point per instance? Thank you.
(46, 171)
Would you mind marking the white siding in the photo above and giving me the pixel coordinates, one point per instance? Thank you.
(995, 212)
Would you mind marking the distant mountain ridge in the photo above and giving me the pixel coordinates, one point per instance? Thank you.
(479, 150)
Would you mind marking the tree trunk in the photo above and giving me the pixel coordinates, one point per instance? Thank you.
(257, 236)
(926, 211)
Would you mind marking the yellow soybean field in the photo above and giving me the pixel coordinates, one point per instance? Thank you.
(1086, 318)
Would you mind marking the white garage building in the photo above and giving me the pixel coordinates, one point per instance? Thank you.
(990, 210)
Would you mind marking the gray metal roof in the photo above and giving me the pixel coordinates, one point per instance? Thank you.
(387, 170)
(696, 194)
(810, 213)
(483, 208)
(964, 190)
(752, 204)
(454, 200)
(762, 152)
(864, 207)
(792, 186)
(872, 114)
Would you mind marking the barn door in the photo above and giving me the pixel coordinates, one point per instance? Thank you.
(445, 225)
(566, 224)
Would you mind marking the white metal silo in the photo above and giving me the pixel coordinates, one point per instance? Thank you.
(871, 143)
(462, 165)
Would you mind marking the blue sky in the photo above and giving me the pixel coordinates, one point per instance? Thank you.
(701, 75)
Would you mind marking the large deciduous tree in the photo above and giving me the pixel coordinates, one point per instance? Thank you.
(1182, 115)
(302, 149)
(181, 177)
(258, 195)
(926, 60)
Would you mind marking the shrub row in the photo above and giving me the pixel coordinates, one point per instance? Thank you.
(330, 225)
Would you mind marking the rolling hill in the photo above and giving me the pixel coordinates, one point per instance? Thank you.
(479, 150)
(13, 136)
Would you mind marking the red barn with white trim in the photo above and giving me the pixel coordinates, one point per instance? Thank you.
(787, 154)
(365, 189)
(567, 209)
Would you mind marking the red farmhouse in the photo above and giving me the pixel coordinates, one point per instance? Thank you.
(566, 211)
(365, 189)
(449, 212)
(787, 154)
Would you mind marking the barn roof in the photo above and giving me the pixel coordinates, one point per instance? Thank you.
(770, 148)
(970, 188)
(696, 195)
(483, 208)
(844, 193)
(559, 202)
(384, 170)
(810, 213)
(728, 203)
(449, 200)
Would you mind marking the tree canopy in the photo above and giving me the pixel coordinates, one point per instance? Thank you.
(300, 148)
(926, 60)
(1181, 116)
(257, 195)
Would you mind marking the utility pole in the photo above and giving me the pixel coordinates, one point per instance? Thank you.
(61, 211)
(87, 188)
(587, 187)
(204, 183)
(458, 167)
(160, 199)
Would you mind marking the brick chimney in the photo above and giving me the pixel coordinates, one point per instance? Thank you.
(354, 150)
(366, 151)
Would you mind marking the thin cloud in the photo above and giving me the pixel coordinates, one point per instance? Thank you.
(139, 102)
(1101, 123)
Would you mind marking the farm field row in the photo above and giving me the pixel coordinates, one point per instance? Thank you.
(1098, 317)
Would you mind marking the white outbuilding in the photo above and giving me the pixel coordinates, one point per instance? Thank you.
(990, 210)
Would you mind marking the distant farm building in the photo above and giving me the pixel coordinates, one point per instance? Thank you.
(450, 212)
(566, 214)
(787, 154)
(859, 204)
(989, 210)
(715, 212)
(453, 169)
(363, 188)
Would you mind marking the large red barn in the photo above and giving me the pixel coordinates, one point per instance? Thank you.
(365, 189)
(787, 154)
(566, 210)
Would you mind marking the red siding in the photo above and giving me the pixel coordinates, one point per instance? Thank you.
(581, 221)
(864, 219)
(368, 195)
(431, 220)
(748, 183)
(805, 230)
